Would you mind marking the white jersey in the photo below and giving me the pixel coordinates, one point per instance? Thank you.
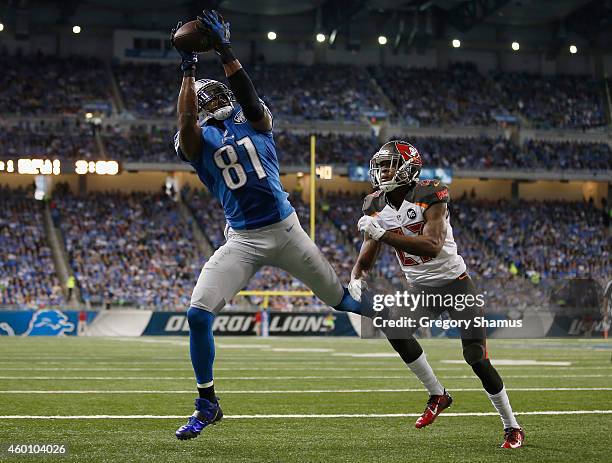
(409, 220)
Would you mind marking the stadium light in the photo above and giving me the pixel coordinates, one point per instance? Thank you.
(456, 43)
(516, 46)
(1, 27)
(573, 49)
(271, 35)
(320, 37)
(382, 40)
(76, 29)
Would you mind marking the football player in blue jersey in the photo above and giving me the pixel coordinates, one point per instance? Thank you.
(232, 149)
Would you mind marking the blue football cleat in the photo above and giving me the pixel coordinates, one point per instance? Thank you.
(207, 413)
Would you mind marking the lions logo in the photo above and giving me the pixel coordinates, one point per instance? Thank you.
(49, 323)
(44, 322)
(239, 117)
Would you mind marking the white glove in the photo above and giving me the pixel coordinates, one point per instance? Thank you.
(371, 227)
(355, 287)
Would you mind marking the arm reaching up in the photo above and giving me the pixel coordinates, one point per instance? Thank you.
(190, 134)
(240, 82)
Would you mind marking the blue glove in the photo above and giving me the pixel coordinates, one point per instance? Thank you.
(189, 59)
(220, 31)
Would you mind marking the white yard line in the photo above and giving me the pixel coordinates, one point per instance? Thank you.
(406, 375)
(297, 416)
(297, 391)
(517, 362)
(188, 368)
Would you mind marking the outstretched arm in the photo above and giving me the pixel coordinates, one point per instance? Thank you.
(190, 134)
(239, 80)
(428, 244)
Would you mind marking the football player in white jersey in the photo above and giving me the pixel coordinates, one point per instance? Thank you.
(413, 218)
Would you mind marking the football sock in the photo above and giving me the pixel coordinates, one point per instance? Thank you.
(202, 347)
(409, 349)
(207, 392)
(489, 376)
(348, 304)
(502, 404)
(422, 370)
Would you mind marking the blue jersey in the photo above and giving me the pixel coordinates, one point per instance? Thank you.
(240, 168)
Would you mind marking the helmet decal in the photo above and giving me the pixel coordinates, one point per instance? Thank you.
(399, 157)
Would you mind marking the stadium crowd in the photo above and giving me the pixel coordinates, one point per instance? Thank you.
(38, 84)
(321, 91)
(458, 95)
(139, 143)
(129, 249)
(136, 249)
(553, 239)
(27, 271)
(461, 95)
(58, 140)
(150, 90)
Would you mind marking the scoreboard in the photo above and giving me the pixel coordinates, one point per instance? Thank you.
(39, 166)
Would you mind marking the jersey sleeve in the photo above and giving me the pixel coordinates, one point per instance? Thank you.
(267, 110)
(177, 148)
(430, 192)
(373, 203)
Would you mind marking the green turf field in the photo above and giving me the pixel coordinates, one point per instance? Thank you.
(293, 379)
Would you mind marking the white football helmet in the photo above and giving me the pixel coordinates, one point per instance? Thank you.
(215, 99)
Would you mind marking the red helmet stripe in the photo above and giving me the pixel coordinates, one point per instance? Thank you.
(409, 153)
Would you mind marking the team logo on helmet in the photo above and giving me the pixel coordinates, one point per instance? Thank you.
(400, 158)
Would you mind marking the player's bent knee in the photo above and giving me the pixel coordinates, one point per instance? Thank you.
(474, 353)
(199, 318)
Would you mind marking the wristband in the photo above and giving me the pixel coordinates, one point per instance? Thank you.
(226, 54)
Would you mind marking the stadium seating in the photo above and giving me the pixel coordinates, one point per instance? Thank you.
(150, 90)
(38, 84)
(139, 144)
(27, 271)
(461, 95)
(321, 91)
(105, 235)
(61, 140)
(129, 249)
(294, 149)
(556, 239)
(565, 155)
(70, 140)
(486, 153)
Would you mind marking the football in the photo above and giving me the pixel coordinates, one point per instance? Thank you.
(192, 37)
